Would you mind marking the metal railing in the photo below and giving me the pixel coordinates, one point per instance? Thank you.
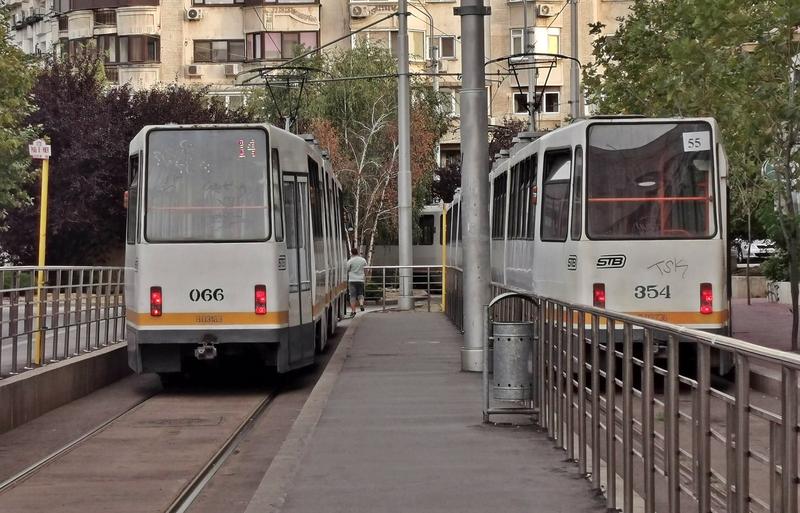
(76, 310)
(383, 284)
(645, 421)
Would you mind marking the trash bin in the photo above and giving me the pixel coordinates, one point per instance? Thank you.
(512, 377)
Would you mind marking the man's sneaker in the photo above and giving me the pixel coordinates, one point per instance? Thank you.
(362, 308)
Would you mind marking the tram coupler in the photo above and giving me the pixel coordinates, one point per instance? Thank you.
(206, 351)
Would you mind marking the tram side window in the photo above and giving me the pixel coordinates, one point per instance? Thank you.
(424, 237)
(530, 197)
(555, 201)
(277, 202)
(316, 204)
(577, 195)
(133, 198)
(499, 206)
(513, 202)
(292, 234)
(448, 219)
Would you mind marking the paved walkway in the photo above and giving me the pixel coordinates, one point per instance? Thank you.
(763, 323)
(401, 431)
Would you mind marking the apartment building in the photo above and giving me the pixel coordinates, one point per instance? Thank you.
(209, 42)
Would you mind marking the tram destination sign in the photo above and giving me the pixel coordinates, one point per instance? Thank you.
(39, 149)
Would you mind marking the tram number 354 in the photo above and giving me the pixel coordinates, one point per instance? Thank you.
(651, 292)
(206, 295)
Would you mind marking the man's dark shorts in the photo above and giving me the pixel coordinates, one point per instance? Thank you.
(356, 289)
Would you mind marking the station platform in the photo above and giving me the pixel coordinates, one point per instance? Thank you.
(394, 425)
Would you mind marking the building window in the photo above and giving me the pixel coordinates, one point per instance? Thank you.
(107, 45)
(550, 104)
(416, 41)
(105, 18)
(63, 23)
(451, 101)
(521, 103)
(543, 39)
(219, 51)
(279, 45)
(447, 47)
(138, 49)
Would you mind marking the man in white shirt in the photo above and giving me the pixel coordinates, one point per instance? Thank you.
(355, 280)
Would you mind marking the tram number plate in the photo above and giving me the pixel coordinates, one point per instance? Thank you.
(206, 295)
(651, 292)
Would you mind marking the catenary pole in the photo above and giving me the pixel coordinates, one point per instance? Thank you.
(574, 73)
(474, 181)
(405, 301)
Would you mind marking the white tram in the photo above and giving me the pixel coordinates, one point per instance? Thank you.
(622, 213)
(235, 245)
(427, 241)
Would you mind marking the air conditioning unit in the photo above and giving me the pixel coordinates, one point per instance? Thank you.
(544, 11)
(193, 70)
(194, 14)
(231, 70)
(359, 11)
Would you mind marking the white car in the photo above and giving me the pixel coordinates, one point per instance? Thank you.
(759, 249)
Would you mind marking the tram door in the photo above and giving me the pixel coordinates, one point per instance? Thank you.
(298, 263)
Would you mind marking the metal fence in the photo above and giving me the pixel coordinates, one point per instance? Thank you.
(646, 419)
(382, 284)
(54, 313)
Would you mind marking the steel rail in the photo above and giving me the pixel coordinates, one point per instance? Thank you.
(29, 471)
(193, 488)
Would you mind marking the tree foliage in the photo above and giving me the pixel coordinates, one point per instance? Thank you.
(90, 127)
(730, 59)
(355, 119)
(17, 74)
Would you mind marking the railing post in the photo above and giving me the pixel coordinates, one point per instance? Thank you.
(648, 435)
(581, 345)
(595, 402)
(429, 289)
(702, 458)
(611, 416)
(743, 433)
(627, 417)
(383, 289)
(789, 413)
(672, 438)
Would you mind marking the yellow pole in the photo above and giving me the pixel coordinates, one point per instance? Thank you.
(444, 256)
(38, 354)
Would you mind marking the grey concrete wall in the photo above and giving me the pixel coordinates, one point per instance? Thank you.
(758, 287)
(26, 396)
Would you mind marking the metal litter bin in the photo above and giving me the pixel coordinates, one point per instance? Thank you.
(509, 360)
(513, 377)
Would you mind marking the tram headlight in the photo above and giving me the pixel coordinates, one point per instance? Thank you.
(599, 293)
(261, 299)
(156, 301)
(706, 298)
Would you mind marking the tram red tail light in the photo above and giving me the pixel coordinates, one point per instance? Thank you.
(599, 293)
(706, 298)
(156, 301)
(261, 299)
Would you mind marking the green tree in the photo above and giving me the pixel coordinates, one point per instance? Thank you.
(730, 59)
(353, 113)
(17, 73)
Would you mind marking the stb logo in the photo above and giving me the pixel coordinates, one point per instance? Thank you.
(611, 262)
(572, 263)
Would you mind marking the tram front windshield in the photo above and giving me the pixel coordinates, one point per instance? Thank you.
(650, 181)
(207, 185)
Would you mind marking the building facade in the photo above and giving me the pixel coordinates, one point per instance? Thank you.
(210, 42)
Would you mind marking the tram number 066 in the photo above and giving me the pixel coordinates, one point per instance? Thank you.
(206, 295)
(651, 292)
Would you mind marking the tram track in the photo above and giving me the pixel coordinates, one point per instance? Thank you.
(153, 416)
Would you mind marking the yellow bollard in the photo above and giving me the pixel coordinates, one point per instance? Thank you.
(38, 353)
